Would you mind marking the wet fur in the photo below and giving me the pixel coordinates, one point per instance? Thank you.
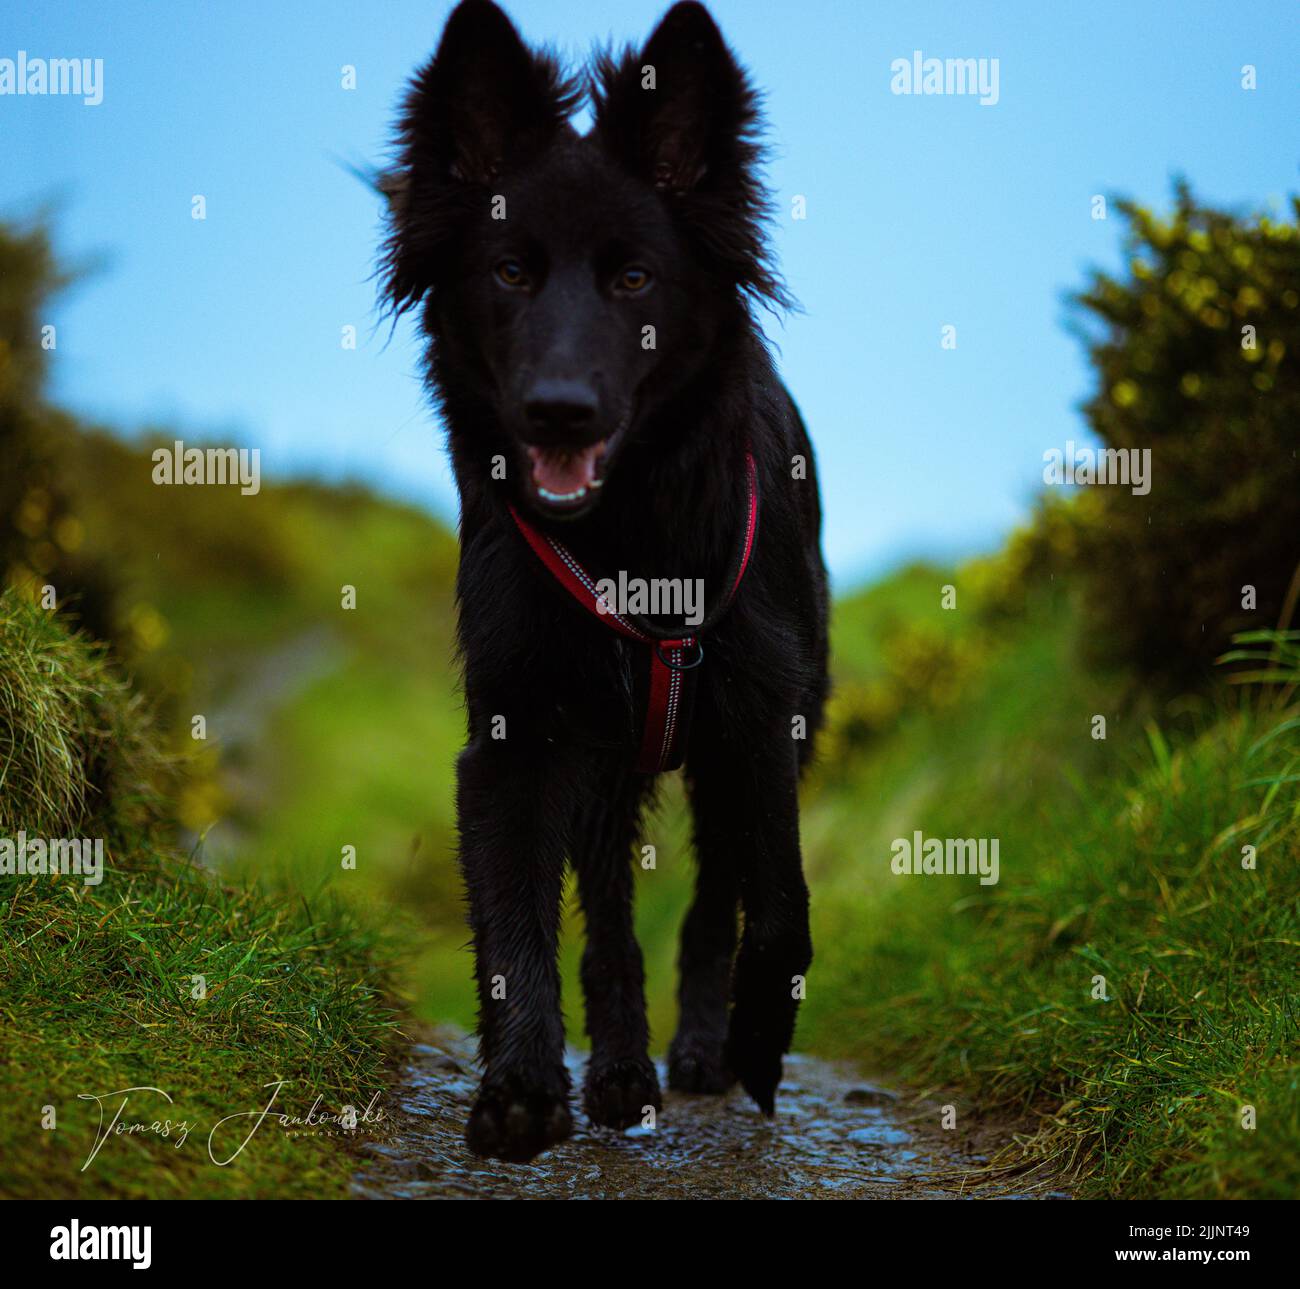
(671, 174)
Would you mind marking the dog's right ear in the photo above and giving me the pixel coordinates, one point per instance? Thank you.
(483, 101)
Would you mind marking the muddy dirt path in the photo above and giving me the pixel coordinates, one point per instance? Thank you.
(835, 1136)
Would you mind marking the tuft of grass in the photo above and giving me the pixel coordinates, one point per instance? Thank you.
(77, 751)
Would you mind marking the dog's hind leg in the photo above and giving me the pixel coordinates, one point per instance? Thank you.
(747, 817)
(621, 1084)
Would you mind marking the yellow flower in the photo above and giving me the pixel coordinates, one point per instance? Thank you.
(1124, 393)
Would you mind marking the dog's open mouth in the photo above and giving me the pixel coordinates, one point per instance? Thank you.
(565, 478)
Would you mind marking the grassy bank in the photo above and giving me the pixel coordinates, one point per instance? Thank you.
(1127, 985)
(160, 975)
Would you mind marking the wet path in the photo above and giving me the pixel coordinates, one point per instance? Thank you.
(834, 1136)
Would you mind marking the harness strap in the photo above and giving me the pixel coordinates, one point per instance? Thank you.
(673, 657)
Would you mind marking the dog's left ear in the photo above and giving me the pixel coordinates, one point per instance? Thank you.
(678, 114)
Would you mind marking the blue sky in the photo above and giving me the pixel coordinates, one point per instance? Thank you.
(921, 212)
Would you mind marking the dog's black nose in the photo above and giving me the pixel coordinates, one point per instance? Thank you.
(560, 411)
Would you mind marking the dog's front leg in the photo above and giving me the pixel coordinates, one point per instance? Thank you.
(511, 814)
(621, 1084)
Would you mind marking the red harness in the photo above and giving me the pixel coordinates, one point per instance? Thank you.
(669, 684)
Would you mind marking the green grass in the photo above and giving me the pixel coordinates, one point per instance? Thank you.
(99, 988)
(96, 996)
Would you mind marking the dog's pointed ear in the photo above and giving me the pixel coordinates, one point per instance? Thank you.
(679, 113)
(483, 102)
(483, 98)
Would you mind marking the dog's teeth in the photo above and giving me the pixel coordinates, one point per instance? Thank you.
(547, 495)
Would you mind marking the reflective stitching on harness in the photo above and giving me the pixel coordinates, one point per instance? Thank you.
(670, 717)
(581, 574)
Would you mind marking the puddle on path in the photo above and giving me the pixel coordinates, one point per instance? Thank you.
(834, 1136)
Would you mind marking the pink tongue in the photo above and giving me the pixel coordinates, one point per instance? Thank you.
(564, 472)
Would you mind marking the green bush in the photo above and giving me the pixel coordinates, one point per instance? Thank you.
(42, 535)
(1196, 361)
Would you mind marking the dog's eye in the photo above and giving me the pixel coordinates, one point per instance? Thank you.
(511, 272)
(633, 279)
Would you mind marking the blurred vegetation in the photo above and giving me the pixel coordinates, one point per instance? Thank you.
(331, 727)
(42, 539)
(1197, 351)
(96, 981)
(1122, 856)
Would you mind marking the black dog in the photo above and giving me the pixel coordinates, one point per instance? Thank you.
(608, 395)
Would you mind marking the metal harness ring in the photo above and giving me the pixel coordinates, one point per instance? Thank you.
(681, 666)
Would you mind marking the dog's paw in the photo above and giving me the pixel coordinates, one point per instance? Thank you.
(618, 1094)
(756, 1060)
(695, 1065)
(512, 1122)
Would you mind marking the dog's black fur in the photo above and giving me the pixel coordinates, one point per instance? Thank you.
(535, 342)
